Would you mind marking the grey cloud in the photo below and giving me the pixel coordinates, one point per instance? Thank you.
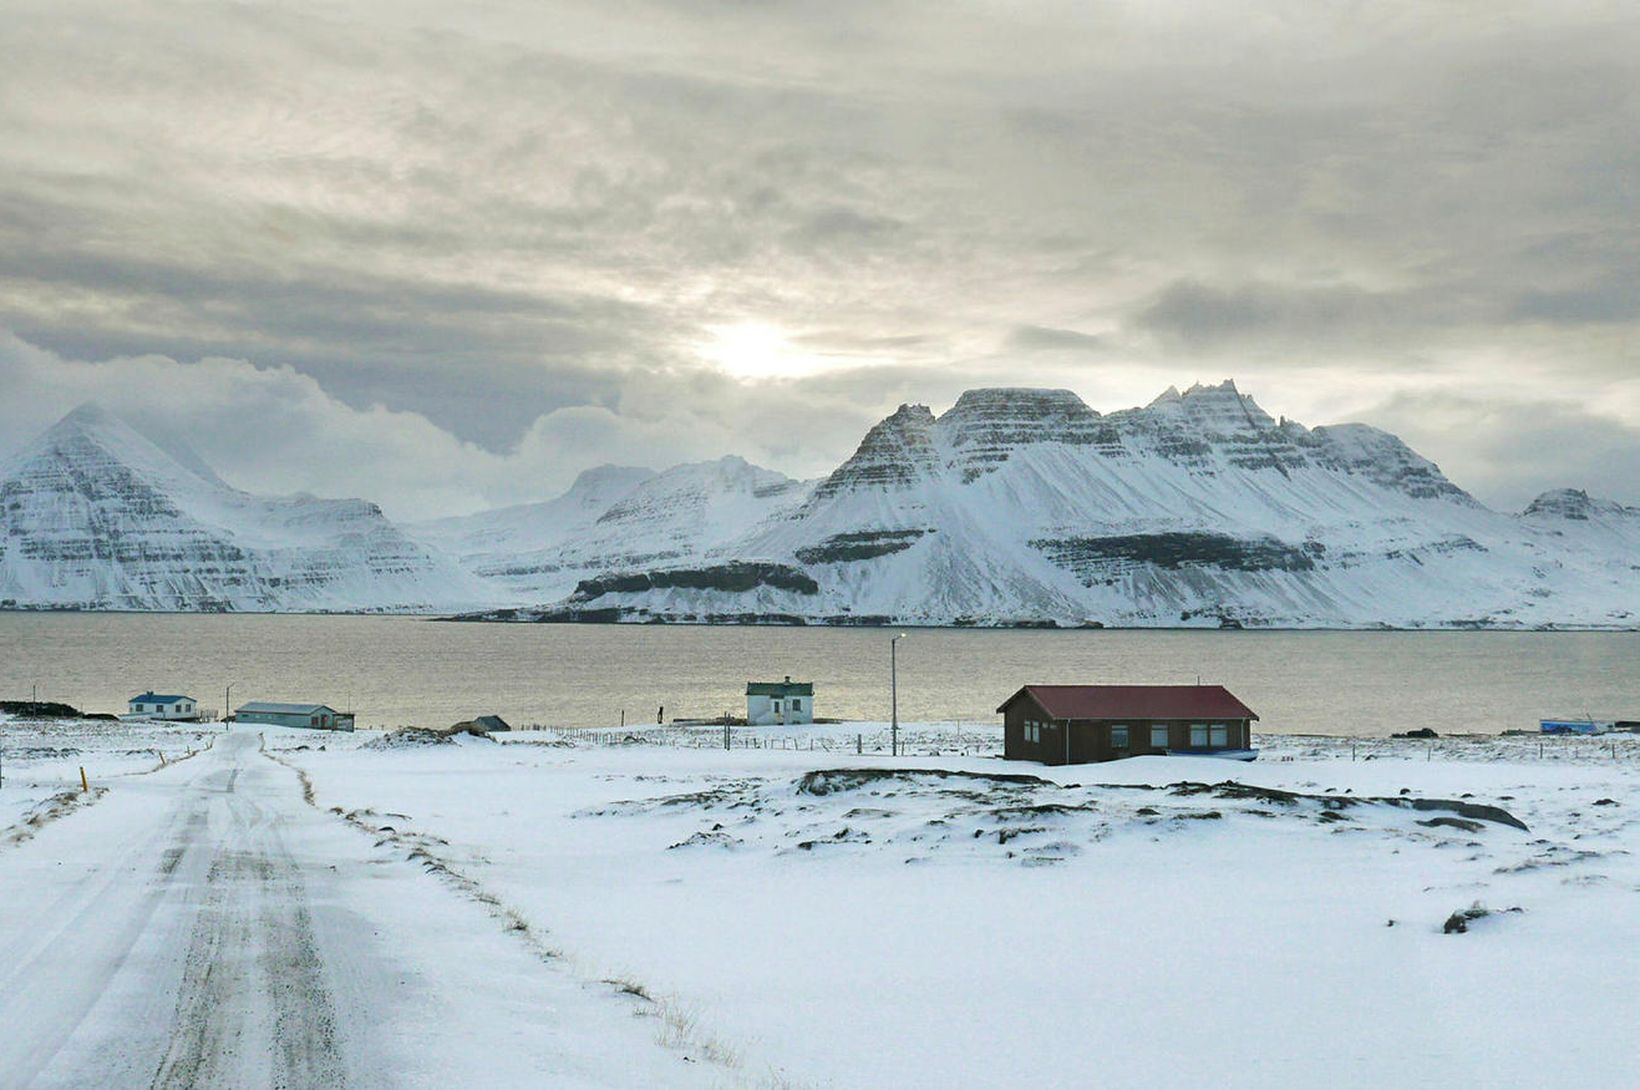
(1035, 338)
(491, 213)
(1507, 451)
(1611, 302)
(1198, 313)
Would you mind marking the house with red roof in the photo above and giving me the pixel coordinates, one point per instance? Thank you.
(1079, 724)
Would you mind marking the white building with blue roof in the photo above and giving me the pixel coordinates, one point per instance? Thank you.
(151, 705)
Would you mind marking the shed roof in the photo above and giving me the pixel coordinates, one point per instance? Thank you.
(1135, 702)
(492, 722)
(780, 688)
(158, 698)
(284, 709)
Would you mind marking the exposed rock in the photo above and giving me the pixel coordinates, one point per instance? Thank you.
(1458, 923)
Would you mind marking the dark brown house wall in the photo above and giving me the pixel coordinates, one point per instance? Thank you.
(1050, 750)
(1091, 738)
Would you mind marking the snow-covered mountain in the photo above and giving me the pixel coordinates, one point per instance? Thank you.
(95, 515)
(1014, 507)
(1028, 507)
(614, 518)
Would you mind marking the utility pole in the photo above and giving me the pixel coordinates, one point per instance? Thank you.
(227, 707)
(894, 695)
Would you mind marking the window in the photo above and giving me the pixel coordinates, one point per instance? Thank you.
(1219, 735)
(797, 704)
(314, 722)
(1198, 735)
(1118, 737)
(777, 707)
(1158, 738)
(1033, 731)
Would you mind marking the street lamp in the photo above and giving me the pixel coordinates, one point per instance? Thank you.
(894, 695)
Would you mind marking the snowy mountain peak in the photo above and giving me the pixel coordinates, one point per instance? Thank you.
(88, 415)
(601, 479)
(97, 515)
(1386, 461)
(895, 453)
(1577, 505)
(986, 426)
(92, 426)
(1214, 410)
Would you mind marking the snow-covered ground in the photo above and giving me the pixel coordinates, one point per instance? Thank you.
(41, 759)
(630, 907)
(205, 925)
(928, 924)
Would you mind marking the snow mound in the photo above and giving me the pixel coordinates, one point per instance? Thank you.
(410, 738)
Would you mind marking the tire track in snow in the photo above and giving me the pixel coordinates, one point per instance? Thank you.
(74, 945)
(679, 1029)
(253, 1009)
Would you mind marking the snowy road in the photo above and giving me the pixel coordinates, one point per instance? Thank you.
(204, 926)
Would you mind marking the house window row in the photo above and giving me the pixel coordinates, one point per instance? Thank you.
(1202, 735)
(1205, 735)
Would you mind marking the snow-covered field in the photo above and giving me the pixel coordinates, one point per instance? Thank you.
(926, 923)
(632, 908)
(41, 759)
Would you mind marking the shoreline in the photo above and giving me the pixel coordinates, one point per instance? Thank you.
(1049, 626)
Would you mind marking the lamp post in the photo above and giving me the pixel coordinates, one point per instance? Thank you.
(894, 695)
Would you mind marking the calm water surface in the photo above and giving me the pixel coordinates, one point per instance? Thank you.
(401, 670)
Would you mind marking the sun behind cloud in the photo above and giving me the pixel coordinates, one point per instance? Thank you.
(760, 350)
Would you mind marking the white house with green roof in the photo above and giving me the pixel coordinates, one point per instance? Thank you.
(770, 703)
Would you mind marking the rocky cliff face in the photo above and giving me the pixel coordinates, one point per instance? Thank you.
(94, 515)
(895, 453)
(984, 428)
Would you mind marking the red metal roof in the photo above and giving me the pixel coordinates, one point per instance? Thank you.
(1135, 702)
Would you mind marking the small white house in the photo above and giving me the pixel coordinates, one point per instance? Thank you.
(772, 702)
(162, 706)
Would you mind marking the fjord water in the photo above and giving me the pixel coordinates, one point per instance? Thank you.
(397, 671)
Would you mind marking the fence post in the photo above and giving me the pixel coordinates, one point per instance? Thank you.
(859, 744)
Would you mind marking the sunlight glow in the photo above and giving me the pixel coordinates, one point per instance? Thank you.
(757, 350)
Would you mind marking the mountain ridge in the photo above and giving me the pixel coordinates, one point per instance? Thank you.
(1014, 506)
(95, 515)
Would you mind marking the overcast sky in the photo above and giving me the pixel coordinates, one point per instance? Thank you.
(446, 258)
